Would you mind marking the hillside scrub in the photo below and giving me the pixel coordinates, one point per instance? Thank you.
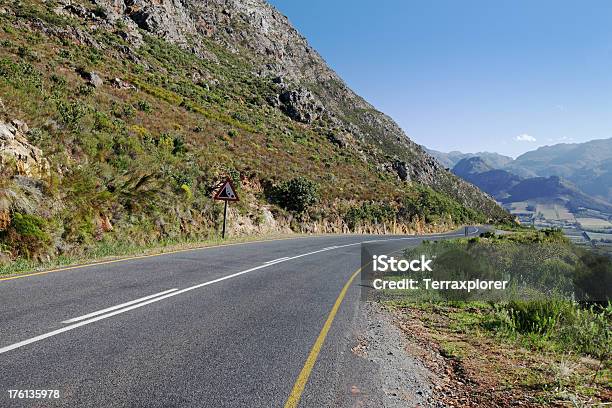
(297, 194)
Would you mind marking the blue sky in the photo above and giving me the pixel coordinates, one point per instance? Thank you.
(505, 76)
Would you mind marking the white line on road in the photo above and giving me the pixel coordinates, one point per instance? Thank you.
(110, 309)
(178, 292)
(277, 260)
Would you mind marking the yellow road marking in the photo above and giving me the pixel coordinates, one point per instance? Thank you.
(300, 383)
(68, 268)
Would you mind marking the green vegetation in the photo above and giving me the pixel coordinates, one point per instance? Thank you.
(558, 308)
(433, 206)
(557, 324)
(558, 355)
(27, 235)
(370, 213)
(296, 195)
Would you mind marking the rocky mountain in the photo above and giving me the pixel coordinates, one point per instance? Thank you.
(555, 188)
(450, 160)
(480, 173)
(141, 107)
(473, 165)
(307, 90)
(507, 187)
(588, 165)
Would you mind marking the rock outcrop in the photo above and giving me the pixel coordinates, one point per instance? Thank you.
(17, 155)
(300, 105)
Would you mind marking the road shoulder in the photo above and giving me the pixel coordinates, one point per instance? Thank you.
(379, 371)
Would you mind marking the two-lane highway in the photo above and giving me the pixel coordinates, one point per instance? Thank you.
(255, 325)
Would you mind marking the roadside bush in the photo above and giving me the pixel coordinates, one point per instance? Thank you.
(560, 324)
(589, 331)
(593, 277)
(431, 206)
(540, 317)
(27, 235)
(369, 213)
(297, 194)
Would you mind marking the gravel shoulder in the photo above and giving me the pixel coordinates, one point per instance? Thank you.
(380, 371)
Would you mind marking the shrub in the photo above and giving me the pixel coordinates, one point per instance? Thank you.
(369, 213)
(593, 277)
(144, 106)
(588, 331)
(27, 235)
(178, 146)
(431, 206)
(563, 324)
(297, 194)
(539, 316)
(187, 191)
(71, 113)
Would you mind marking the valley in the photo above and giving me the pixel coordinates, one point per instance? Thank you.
(561, 186)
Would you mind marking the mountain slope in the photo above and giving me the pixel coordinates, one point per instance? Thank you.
(585, 164)
(472, 165)
(142, 107)
(555, 188)
(450, 160)
(309, 90)
(564, 159)
(508, 187)
(494, 181)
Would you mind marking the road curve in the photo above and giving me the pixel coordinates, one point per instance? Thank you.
(229, 326)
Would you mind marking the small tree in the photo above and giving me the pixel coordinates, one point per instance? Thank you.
(297, 194)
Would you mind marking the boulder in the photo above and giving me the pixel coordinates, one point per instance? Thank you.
(300, 105)
(95, 80)
(92, 78)
(15, 151)
(401, 168)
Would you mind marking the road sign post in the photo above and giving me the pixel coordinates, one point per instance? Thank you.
(226, 192)
(224, 219)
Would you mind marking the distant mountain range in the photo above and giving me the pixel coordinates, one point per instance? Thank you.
(450, 159)
(578, 174)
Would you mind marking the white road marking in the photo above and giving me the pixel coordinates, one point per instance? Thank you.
(110, 309)
(178, 292)
(277, 260)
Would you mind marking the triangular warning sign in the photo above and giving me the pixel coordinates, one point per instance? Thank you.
(226, 192)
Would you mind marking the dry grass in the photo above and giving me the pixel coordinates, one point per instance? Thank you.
(478, 369)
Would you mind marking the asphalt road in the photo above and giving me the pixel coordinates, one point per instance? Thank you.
(229, 326)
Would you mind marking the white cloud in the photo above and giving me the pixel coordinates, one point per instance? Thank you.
(525, 138)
